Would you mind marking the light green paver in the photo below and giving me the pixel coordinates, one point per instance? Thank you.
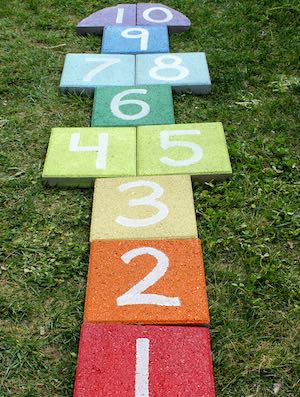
(76, 156)
(193, 149)
(131, 105)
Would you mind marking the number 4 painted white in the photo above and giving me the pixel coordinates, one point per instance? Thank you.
(101, 149)
(142, 367)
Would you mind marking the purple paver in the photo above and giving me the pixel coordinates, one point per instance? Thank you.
(159, 14)
(122, 14)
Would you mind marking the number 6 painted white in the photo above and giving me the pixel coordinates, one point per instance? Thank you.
(142, 34)
(134, 296)
(165, 143)
(117, 101)
(150, 200)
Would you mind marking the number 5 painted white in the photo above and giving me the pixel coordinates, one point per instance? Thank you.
(142, 367)
(142, 34)
(165, 144)
(134, 295)
(149, 200)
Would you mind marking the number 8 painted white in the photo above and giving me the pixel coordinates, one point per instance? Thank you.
(162, 65)
(117, 101)
(149, 200)
(134, 296)
(142, 34)
(165, 143)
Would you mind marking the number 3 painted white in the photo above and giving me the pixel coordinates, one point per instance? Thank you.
(142, 367)
(118, 101)
(101, 149)
(142, 34)
(134, 296)
(150, 200)
(165, 144)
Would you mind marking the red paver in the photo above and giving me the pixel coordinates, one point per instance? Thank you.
(146, 282)
(144, 361)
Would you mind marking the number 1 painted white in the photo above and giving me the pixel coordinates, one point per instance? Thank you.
(142, 367)
(120, 15)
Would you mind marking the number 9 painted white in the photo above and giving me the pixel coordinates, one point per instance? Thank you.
(150, 200)
(134, 296)
(118, 101)
(165, 144)
(160, 63)
(168, 15)
(142, 34)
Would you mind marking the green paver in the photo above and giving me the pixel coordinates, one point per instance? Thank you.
(132, 105)
(76, 156)
(193, 149)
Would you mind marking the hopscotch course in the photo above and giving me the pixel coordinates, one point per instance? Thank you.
(146, 319)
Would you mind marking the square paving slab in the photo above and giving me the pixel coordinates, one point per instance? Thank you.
(135, 39)
(143, 208)
(144, 361)
(184, 71)
(194, 149)
(76, 156)
(131, 105)
(82, 73)
(146, 282)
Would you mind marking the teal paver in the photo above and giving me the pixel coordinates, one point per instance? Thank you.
(82, 73)
(199, 150)
(132, 105)
(135, 39)
(185, 72)
(76, 156)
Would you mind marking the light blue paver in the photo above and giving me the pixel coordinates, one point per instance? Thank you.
(135, 39)
(84, 72)
(183, 71)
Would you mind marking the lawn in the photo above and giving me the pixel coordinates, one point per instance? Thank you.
(248, 225)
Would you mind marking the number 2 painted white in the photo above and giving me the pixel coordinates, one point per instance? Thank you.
(101, 149)
(150, 200)
(118, 101)
(102, 64)
(161, 64)
(142, 367)
(165, 144)
(167, 18)
(141, 33)
(135, 296)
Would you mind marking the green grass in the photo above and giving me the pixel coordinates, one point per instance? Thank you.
(248, 225)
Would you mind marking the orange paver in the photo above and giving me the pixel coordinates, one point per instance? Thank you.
(146, 282)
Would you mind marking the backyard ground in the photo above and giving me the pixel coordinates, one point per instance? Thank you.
(248, 225)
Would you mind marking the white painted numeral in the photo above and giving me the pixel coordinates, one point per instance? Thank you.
(161, 64)
(101, 149)
(134, 296)
(102, 64)
(118, 101)
(168, 15)
(141, 33)
(150, 200)
(142, 367)
(165, 144)
(120, 15)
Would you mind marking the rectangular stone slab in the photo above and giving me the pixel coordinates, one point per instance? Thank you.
(131, 105)
(143, 208)
(82, 73)
(184, 71)
(135, 39)
(76, 156)
(122, 360)
(199, 150)
(146, 282)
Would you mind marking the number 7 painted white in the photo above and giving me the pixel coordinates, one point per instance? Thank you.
(142, 367)
(103, 63)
